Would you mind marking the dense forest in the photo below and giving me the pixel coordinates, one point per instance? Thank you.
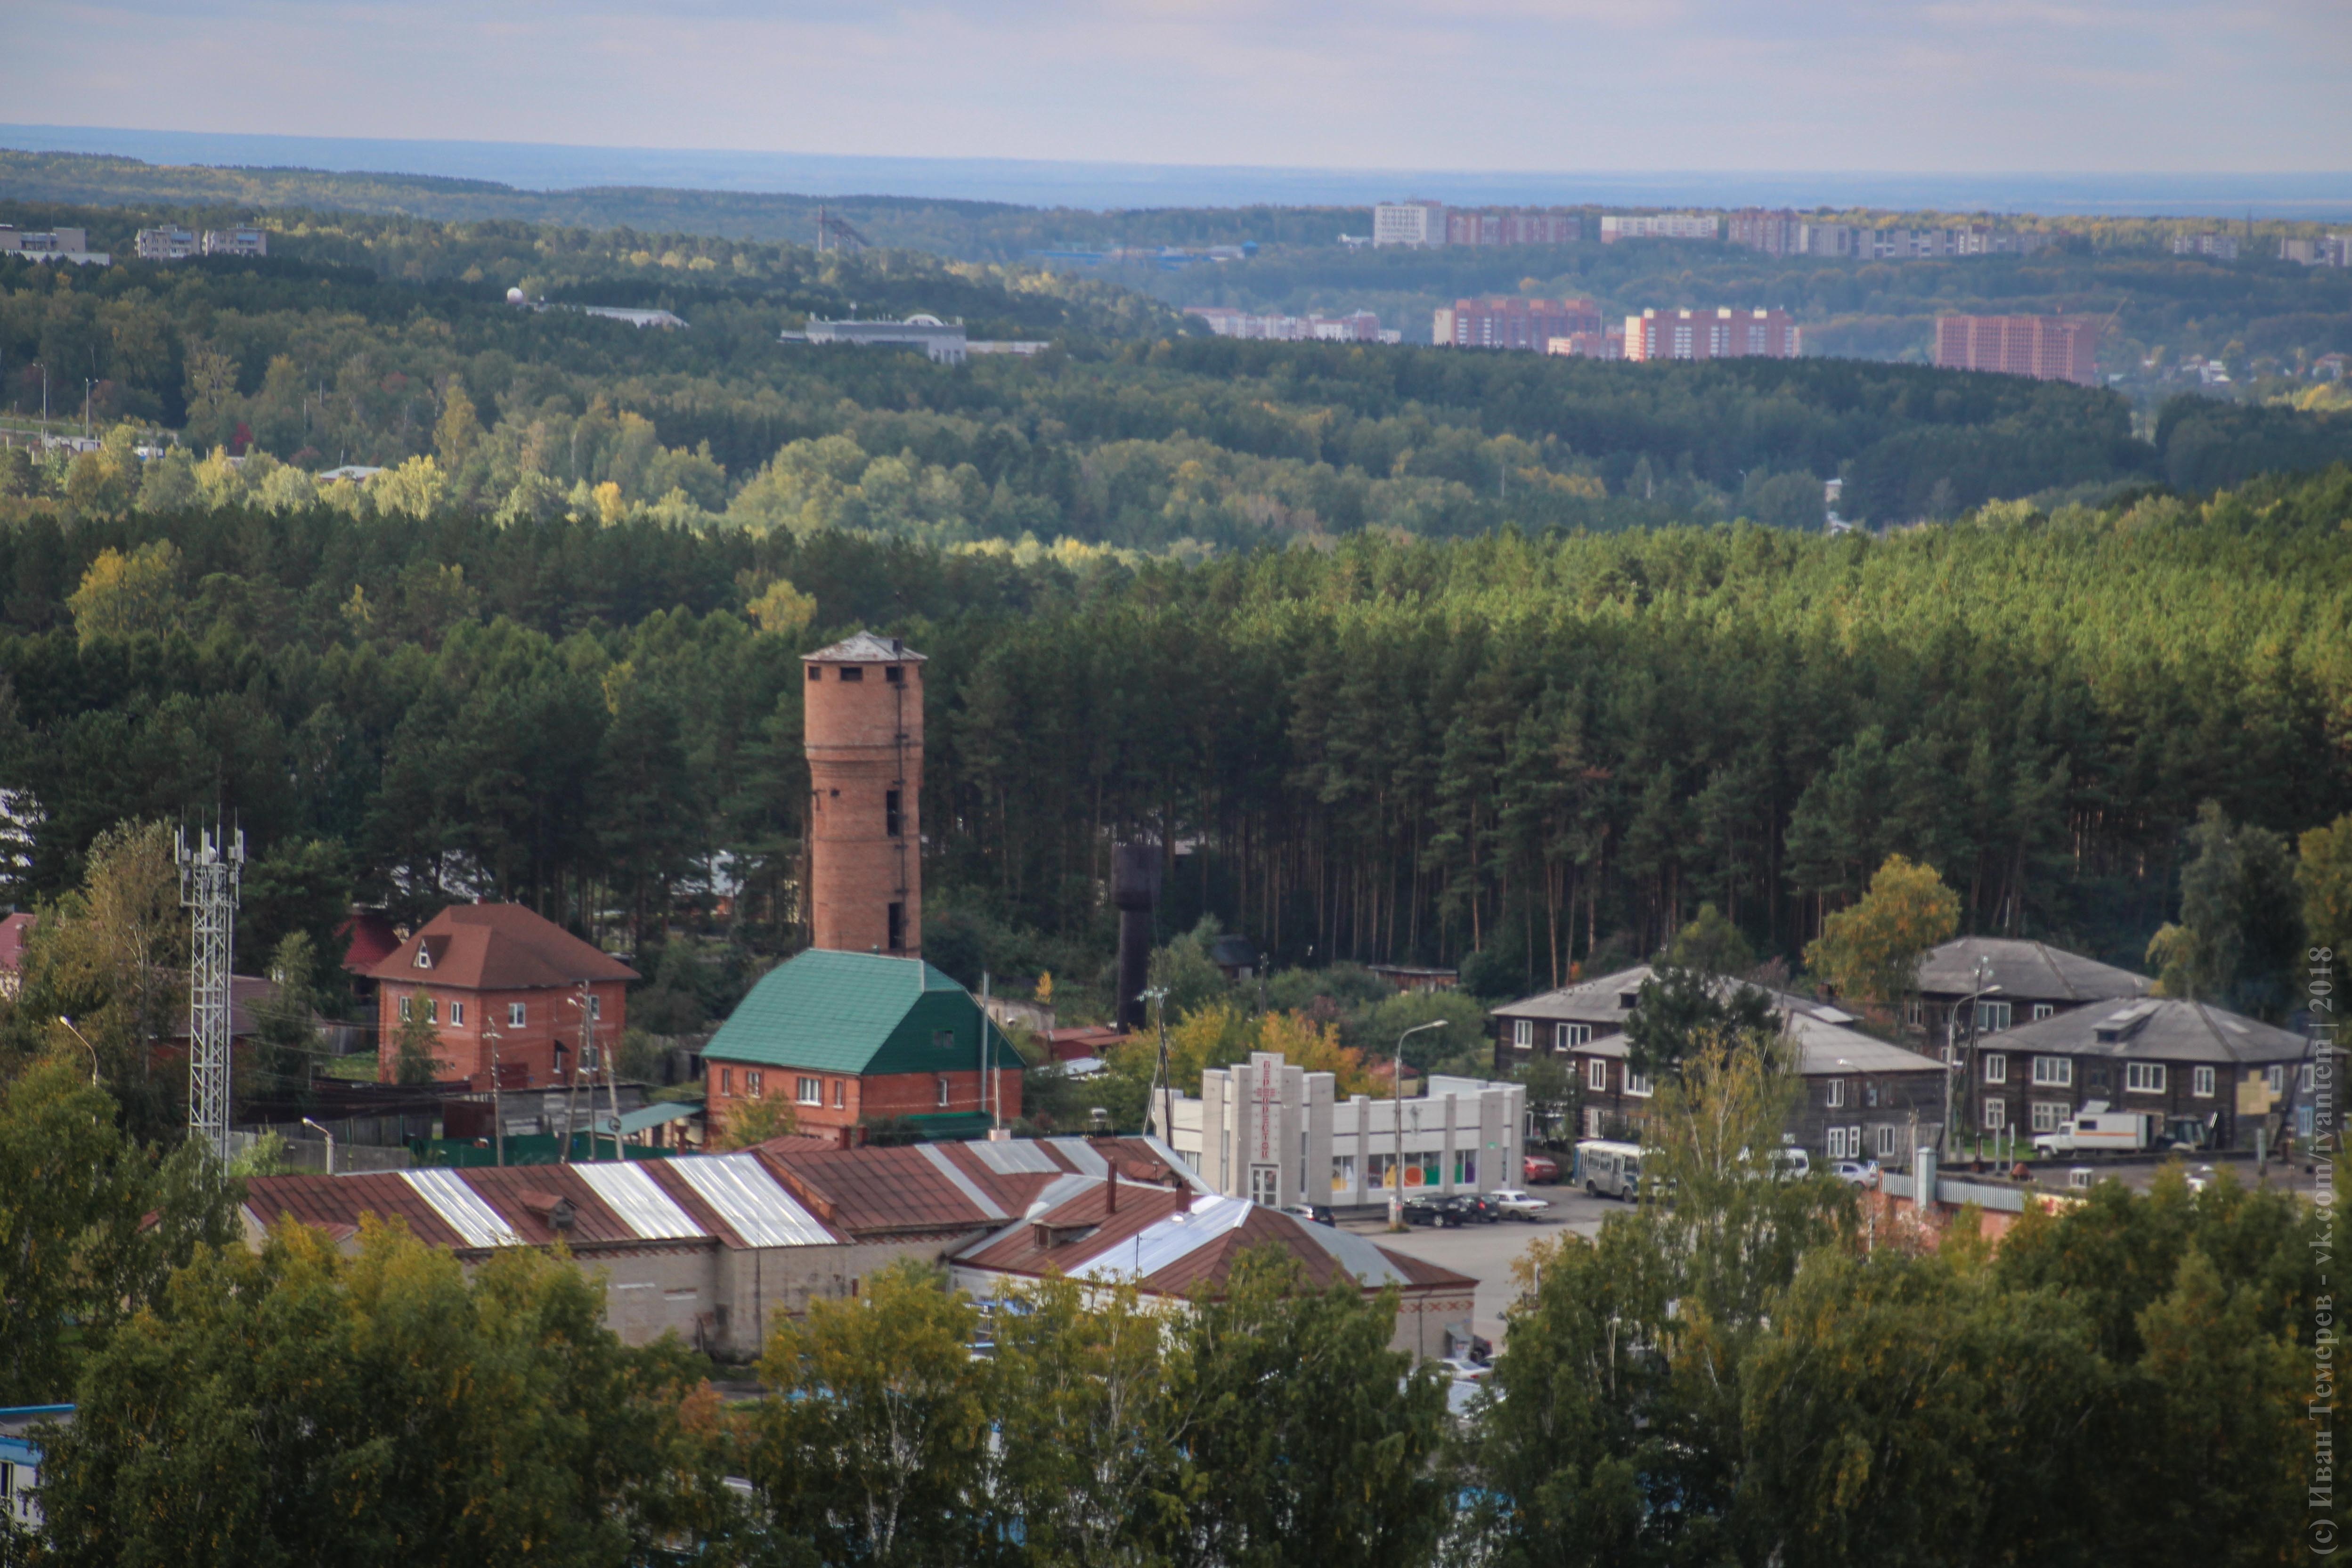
(1550, 749)
(382, 341)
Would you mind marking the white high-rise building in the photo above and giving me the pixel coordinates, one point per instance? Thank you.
(1409, 223)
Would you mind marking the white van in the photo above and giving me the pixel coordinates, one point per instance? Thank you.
(1610, 1169)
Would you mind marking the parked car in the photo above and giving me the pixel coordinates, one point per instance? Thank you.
(1464, 1370)
(1539, 1170)
(1434, 1208)
(1858, 1172)
(1517, 1205)
(1789, 1164)
(1476, 1209)
(1313, 1213)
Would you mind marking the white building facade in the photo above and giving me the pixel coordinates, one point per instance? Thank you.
(1277, 1135)
(1408, 223)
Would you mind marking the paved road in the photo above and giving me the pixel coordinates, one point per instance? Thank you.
(1487, 1252)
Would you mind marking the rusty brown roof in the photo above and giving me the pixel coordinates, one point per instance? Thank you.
(498, 948)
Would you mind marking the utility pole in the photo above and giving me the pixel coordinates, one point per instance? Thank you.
(498, 1107)
(209, 874)
(1157, 996)
(1396, 1116)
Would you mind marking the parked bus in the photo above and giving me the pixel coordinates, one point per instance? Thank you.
(1608, 1169)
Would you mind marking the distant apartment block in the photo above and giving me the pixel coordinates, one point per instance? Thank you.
(1719, 334)
(1657, 225)
(1408, 223)
(1512, 228)
(1359, 327)
(1510, 322)
(1774, 233)
(1607, 344)
(1857, 242)
(71, 245)
(2047, 348)
(2335, 250)
(2220, 247)
(236, 242)
(51, 242)
(168, 244)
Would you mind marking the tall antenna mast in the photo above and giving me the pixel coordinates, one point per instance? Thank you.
(209, 874)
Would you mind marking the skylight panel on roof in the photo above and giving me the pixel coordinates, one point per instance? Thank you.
(630, 1192)
(746, 1197)
(462, 1207)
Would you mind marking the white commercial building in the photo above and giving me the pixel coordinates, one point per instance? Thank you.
(1409, 223)
(1279, 1134)
(1657, 225)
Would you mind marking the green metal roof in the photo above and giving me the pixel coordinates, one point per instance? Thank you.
(860, 1013)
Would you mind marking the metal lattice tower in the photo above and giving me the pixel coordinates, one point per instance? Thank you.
(209, 874)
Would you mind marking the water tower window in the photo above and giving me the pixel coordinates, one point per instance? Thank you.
(897, 926)
(852, 672)
(816, 672)
(892, 823)
(895, 673)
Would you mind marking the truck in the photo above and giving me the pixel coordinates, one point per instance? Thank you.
(2096, 1128)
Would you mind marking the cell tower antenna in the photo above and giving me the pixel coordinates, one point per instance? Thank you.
(210, 873)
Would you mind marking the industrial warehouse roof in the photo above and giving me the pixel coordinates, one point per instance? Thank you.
(733, 1200)
(750, 1198)
(497, 948)
(859, 1013)
(2034, 971)
(865, 648)
(1172, 1243)
(2153, 1029)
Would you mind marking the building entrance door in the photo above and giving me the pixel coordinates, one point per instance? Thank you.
(1266, 1185)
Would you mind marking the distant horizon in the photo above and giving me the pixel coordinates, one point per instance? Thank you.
(1105, 185)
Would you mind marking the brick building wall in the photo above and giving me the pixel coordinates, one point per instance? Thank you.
(864, 733)
(828, 1101)
(527, 1052)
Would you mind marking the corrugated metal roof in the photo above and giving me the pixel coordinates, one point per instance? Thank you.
(464, 1211)
(630, 1192)
(863, 647)
(1014, 1158)
(963, 1183)
(1175, 1161)
(1081, 1155)
(752, 1200)
(1167, 1241)
(1061, 1191)
(1364, 1258)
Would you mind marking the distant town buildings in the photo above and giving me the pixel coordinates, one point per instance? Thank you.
(2335, 250)
(174, 244)
(1509, 322)
(1408, 223)
(52, 245)
(1774, 233)
(2220, 247)
(942, 342)
(2047, 348)
(661, 318)
(1657, 225)
(1432, 223)
(1606, 344)
(1719, 334)
(1357, 327)
(1785, 234)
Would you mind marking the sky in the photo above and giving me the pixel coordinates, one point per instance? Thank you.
(2099, 86)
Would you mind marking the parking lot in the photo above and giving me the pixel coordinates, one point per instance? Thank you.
(1485, 1252)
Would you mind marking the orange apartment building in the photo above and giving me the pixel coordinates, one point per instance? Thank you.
(1718, 334)
(2047, 348)
(501, 984)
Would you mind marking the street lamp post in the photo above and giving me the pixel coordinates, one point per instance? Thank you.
(1396, 1117)
(85, 1045)
(330, 1142)
(1157, 996)
(1953, 1059)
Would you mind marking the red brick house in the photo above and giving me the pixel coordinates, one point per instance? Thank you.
(497, 980)
(848, 1038)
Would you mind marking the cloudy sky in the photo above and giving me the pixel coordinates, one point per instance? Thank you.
(2177, 86)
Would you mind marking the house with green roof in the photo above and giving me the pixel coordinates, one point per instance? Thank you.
(847, 1040)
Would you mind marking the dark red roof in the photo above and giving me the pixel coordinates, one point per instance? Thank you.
(367, 940)
(498, 948)
(1076, 1043)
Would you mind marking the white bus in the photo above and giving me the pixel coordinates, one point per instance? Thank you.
(1608, 1169)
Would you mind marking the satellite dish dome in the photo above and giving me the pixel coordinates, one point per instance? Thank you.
(925, 319)
(516, 296)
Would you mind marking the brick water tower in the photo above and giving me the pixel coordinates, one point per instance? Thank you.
(863, 732)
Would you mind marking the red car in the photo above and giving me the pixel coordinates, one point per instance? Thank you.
(1543, 1170)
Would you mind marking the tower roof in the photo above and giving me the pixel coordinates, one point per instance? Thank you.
(865, 648)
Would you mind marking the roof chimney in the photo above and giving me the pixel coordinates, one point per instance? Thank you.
(1110, 1198)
